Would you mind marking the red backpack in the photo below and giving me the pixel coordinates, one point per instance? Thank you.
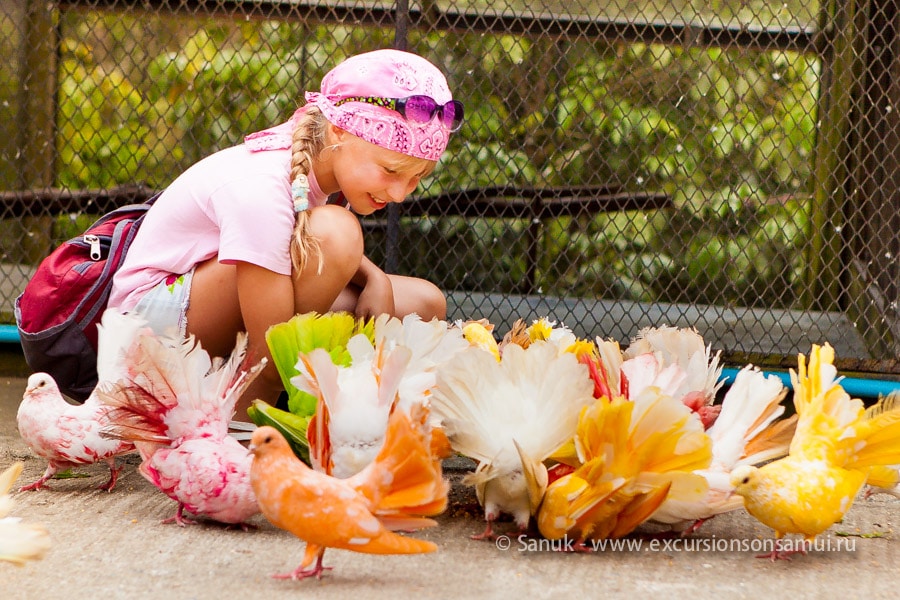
(58, 312)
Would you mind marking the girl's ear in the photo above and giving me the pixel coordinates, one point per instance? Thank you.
(336, 134)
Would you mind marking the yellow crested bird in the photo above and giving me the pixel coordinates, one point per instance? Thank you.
(837, 446)
(543, 329)
(19, 542)
(480, 334)
(634, 454)
(509, 416)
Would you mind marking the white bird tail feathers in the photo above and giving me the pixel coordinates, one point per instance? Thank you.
(532, 396)
(115, 334)
(749, 408)
(173, 390)
(19, 542)
(7, 478)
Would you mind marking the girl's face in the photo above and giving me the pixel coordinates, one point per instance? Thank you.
(371, 177)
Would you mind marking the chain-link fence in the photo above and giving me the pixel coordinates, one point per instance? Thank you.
(726, 165)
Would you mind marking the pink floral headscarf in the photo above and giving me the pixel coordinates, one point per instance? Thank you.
(384, 74)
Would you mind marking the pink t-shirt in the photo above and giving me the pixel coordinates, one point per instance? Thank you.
(235, 205)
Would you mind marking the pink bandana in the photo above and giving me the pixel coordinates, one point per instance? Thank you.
(382, 74)
(278, 137)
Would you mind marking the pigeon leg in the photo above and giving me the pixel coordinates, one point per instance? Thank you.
(50, 472)
(113, 475)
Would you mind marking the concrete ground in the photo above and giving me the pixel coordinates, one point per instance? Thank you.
(112, 545)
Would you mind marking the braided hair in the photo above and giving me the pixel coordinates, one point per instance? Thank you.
(307, 142)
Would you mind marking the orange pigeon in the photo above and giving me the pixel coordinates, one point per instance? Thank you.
(401, 487)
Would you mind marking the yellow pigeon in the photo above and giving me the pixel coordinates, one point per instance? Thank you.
(634, 454)
(480, 334)
(837, 446)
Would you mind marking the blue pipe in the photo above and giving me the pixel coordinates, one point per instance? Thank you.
(855, 386)
(9, 334)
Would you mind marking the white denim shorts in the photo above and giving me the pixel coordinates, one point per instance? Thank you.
(165, 305)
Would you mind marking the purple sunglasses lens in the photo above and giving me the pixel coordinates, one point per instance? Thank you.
(453, 115)
(420, 108)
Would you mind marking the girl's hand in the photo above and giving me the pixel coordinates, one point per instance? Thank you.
(376, 296)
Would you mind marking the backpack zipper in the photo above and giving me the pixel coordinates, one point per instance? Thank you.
(94, 242)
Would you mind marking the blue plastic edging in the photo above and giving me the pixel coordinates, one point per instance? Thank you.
(9, 334)
(855, 386)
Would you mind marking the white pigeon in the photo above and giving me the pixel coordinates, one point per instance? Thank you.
(68, 435)
(431, 343)
(509, 416)
(747, 431)
(353, 403)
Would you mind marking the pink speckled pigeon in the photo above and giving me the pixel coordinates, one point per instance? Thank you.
(667, 350)
(175, 404)
(68, 435)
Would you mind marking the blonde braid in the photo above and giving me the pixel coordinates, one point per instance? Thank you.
(307, 141)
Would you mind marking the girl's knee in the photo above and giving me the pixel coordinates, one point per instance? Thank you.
(339, 234)
(421, 297)
(435, 302)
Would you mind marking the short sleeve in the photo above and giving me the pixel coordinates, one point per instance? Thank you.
(256, 220)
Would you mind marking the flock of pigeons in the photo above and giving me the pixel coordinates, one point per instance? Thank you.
(572, 438)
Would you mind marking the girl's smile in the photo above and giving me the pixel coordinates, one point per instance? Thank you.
(370, 177)
(378, 204)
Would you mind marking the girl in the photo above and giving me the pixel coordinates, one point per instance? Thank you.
(247, 237)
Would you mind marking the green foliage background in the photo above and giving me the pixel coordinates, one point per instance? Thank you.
(727, 133)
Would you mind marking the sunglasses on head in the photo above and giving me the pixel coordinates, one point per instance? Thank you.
(420, 109)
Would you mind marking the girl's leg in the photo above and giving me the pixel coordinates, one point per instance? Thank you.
(411, 295)
(214, 313)
(414, 295)
(340, 238)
